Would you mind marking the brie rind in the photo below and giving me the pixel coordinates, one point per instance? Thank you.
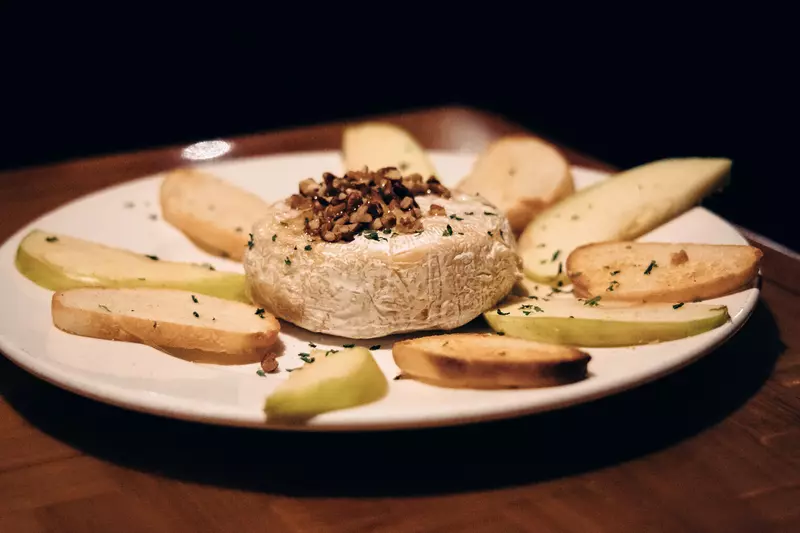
(438, 279)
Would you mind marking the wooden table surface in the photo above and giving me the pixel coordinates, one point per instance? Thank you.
(714, 447)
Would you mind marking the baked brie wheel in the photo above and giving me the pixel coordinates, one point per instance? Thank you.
(373, 254)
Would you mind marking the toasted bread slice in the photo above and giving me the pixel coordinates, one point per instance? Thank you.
(620, 208)
(378, 144)
(167, 319)
(488, 361)
(679, 272)
(214, 214)
(522, 175)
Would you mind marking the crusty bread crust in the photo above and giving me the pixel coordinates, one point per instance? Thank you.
(489, 361)
(197, 342)
(682, 272)
(187, 197)
(521, 174)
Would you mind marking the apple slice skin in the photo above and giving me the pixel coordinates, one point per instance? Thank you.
(228, 285)
(601, 333)
(348, 378)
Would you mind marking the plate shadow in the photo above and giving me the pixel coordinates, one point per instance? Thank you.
(413, 462)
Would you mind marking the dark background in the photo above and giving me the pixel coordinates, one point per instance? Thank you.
(77, 84)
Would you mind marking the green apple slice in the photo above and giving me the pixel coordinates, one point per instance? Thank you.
(377, 145)
(620, 208)
(59, 262)
(340, 380)
(592, 323)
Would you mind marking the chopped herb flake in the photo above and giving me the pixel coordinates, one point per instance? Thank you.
(330, 352)
(260, 312)
(195, 314)
(555, 255)
(348, 345)
(194, 298)
(677, 306)
(489, 213)
(538, 309)
(560, 267)
(375, 347)
(571, 316)
(312, 344)
(652, 265)
(261, 373)
(612, 285)
(306, 358)
(526, 313)
(284, 224)
(103, 307)
(387, 231)
(372, 235)
(533, 297)
(501, 333)
(251, 242)
(501, 313)
(292, 369)
(560, 284)
(490, 234)
(615, 272)
(307, 248)
(153, 257)
(469, 213)
(592, 302)
(51, 239)
(287, 261)
(526, 306)
(274, 237)
(397, 377)
(448, 231)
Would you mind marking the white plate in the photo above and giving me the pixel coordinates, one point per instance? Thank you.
(141, 378)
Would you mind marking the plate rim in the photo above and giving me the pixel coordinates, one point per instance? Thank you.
(189, 410)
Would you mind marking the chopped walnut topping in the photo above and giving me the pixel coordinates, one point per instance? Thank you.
(437, 211)
(339, 208)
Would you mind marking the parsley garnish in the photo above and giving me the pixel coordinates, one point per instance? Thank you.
(490, 214)
(284, 224)
(373, 235)
(51, 239)
(307, 248)
(292, 369)
(469, 213)
(501, 333)
(330, 351)
(375, 347)
(490, 234)
(615, 273)
(560, 267)
(677, 306)
(387, 231)
(274, 237)
(312, 344)
(526, 313)
(306, 358)
(555, 255)
(194, 298)
(650, 268)
(287, 261)
(104, 308)
(560, 284)
(153, 257)
(348, 345)
(448, 231)
(611, 286)
(195, 314)
(397, 377)
(261, 373)
(456, 217)
(533, 297)
(499, 312)
(538, 309)
(526, 306)
(250, 243)
(592, 302)
(260, 312)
